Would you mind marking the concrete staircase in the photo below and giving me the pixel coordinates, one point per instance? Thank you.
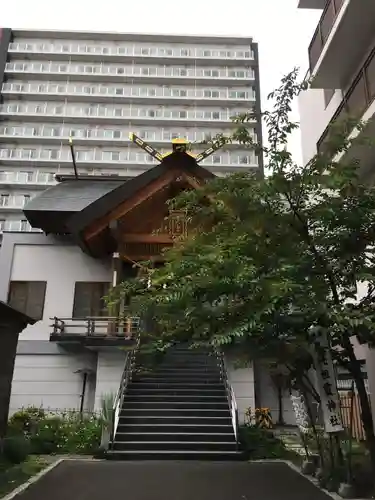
(179, 410)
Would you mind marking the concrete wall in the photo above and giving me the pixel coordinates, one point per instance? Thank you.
(45, 374)
(314, 118)
(52, 381)
(242, 381)
(39, 258)
(268, 397)
(108, 376)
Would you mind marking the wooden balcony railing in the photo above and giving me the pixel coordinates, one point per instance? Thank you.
(323, 30)
(357, 99)
(95, 327)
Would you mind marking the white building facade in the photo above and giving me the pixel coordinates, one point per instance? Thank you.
(99, 87)
(342, 71)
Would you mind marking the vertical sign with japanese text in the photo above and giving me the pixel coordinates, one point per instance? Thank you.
(326, 379)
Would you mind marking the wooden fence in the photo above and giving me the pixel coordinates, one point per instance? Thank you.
(346, 401)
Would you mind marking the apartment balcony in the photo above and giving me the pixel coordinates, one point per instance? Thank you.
(95, 333)
(162, 75)
(359, 102)
(128, 94)
(183, 118)
(342, 37)
(27, 180)
(17, 226)
(10, 203)
(146, 54)
(99, 136)
(26, 158)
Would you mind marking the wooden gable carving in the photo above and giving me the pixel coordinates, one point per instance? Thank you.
(144, 224)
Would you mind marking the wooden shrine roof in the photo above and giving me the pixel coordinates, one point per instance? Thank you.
(86, 208)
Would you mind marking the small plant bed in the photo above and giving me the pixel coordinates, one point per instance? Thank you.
(13, 475)
(33, 432)
(39, 432)
(259, 443)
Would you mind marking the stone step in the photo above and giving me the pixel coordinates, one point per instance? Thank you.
(176, 436)
(175, 420)
(175, 445)
(211, 455)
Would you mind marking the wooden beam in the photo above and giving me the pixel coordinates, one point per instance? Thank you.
(140, 258)
(194, 183)
(147, 238)
(131, 203)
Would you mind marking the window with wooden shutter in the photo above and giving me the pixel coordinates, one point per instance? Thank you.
(89, 299)
(28, 297)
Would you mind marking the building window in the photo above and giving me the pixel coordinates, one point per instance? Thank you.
(52, 154)
(4, 200)
(26, 176)
(83, 155)
(89, 299)
(111, 155)
(28, 297)
(2, 224)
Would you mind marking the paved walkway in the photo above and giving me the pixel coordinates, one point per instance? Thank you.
(84, 480)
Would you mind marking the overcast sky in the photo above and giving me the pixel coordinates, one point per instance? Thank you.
(282, 31)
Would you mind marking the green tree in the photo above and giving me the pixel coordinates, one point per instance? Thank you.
(268, 258)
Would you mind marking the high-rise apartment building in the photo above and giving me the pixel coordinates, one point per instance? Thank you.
(99, 87)
(342, 67)
(342, 70)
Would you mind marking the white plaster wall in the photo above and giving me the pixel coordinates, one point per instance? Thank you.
(242, 381)
(49, 381)
(268, 398)
(110, 367)
(314, 118)
(60, 266)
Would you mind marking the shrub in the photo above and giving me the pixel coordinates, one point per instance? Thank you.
(15, 449)
(48, 436)
(26, 420)
(258, 443)
(82, 434)
(68, 432)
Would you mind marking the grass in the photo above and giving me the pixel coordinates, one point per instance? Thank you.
(12, 476)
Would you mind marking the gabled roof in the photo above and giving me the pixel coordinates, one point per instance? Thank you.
(53, 208)
(72, 205)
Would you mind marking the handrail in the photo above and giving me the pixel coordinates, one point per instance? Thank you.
(230, 395)
(320, 36)
(125, 379)
(93, 325)
(361, 81)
